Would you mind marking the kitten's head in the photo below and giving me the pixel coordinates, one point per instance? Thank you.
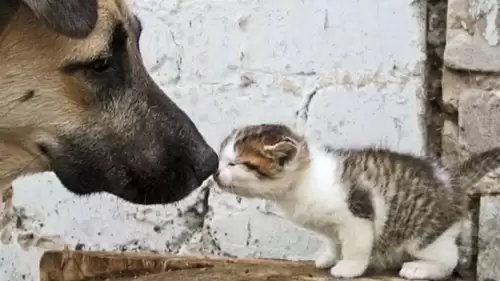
(261, 160)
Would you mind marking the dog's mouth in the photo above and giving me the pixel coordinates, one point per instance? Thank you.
(144, 187)
(157, 191)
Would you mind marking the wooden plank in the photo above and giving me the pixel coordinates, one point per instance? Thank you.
(99, 266)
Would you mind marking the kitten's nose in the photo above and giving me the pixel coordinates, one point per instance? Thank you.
(216, 177)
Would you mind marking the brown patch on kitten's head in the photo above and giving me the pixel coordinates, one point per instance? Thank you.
(267, 148)
(261, 161)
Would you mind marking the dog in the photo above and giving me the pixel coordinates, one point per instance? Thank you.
(76, 99)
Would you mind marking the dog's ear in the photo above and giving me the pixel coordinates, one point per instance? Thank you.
(72, 18)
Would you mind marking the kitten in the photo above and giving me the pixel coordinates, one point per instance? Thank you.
(375, 208)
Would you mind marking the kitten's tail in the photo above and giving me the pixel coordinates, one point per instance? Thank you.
(477, 166)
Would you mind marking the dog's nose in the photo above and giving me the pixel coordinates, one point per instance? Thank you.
(207, 166)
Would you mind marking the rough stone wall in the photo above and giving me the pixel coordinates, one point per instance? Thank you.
(471, 101)
(348, 73)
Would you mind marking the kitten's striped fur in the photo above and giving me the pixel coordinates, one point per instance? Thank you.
(373, 206)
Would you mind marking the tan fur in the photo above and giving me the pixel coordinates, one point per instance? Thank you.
(60, 101)
(78, 100)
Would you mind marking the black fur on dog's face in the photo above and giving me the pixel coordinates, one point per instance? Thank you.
(98, 119)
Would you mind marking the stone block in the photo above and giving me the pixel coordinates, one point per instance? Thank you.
(459, 84)
(488, 267)
(479, 119)
(466, 244)
(450, 146)
(472, 35)
(453, 85)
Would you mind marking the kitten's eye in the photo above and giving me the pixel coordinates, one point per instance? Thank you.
(100, 65)
(255, 168)
(231, 164)
(250, 166)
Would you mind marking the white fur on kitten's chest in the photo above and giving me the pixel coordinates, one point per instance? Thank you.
(318, 199)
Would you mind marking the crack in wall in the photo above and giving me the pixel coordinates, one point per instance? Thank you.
(302, 114)
(435, 43)
(438, 116)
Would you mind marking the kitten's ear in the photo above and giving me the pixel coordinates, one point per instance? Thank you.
(283, 151)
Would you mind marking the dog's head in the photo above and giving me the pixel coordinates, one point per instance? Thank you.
(76, 99)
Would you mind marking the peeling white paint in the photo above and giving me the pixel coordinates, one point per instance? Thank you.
(489, 10)
(231, 63)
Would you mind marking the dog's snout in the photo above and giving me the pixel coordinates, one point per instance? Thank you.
(208, 164)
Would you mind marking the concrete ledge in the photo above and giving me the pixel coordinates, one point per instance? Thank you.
(93, 266)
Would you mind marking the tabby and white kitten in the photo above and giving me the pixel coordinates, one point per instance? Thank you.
(376, 208)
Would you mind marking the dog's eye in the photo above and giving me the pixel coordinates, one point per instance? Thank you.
(100, 65)
(44, 150)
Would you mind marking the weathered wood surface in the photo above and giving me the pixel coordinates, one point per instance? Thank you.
(97, 266)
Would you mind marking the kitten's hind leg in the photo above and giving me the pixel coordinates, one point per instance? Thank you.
(330, 255)
(357, 239)
(436, 261)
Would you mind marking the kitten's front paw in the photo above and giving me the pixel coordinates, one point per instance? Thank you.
(326, 260)
(349, 268)
(422, 270)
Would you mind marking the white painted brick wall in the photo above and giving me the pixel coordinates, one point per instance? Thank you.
(366, 55)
